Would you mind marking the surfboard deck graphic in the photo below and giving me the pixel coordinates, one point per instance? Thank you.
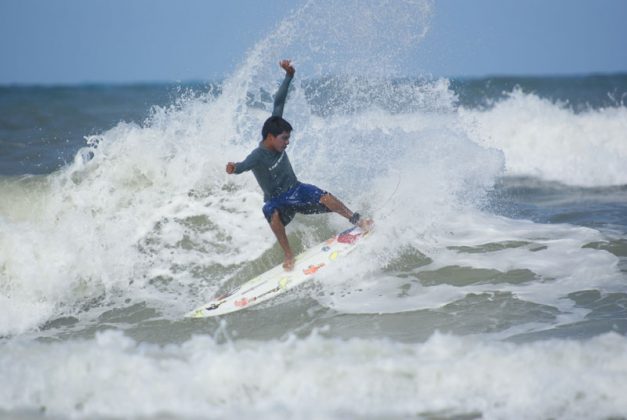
(277, 281)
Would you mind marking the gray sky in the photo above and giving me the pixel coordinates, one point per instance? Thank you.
(78, 41)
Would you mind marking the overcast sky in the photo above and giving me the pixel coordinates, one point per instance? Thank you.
(78, 41)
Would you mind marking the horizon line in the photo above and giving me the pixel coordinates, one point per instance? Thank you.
(186, 82)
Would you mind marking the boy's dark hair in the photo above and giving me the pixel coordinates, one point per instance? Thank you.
(275, 126)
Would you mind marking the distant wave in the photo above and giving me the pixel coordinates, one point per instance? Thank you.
(548, 140)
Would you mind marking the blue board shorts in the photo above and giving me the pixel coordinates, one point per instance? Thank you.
(301, 198)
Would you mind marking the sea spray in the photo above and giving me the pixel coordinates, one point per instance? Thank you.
(146, 213)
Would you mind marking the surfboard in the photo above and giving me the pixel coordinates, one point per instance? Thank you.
(277, 281)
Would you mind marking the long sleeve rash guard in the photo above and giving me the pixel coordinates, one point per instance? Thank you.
(272, 170)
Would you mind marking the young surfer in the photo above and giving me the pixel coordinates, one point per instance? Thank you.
(283, 194)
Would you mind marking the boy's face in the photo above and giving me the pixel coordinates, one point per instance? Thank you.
(280, 142)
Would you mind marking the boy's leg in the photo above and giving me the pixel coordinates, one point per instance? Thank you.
(279, 231)
(335, 205)
(338, 207)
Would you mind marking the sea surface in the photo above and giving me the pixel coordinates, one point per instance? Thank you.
(494, 285)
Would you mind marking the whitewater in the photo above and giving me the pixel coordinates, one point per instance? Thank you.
(494, 285)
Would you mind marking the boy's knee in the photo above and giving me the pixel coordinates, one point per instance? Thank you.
(326, 198)
(278, 219)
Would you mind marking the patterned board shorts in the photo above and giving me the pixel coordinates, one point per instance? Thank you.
(302, 198)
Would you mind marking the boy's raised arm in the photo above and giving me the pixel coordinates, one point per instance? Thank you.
(281, 95)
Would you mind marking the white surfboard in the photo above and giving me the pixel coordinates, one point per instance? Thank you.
(277, 281)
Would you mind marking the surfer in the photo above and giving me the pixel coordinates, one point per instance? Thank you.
(283, 194)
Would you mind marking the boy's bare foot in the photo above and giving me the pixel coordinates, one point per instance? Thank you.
(365, 224)
(288, 263)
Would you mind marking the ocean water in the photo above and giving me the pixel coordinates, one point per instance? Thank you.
(494, 285)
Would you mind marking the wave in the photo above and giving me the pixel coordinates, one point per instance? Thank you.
(146, 213)
(114, 376)
(548, 140)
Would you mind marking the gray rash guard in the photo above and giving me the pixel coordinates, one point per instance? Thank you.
(272, 170)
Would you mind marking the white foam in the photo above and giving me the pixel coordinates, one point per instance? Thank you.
(316, 377)
(554, 254)
(546, 139)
